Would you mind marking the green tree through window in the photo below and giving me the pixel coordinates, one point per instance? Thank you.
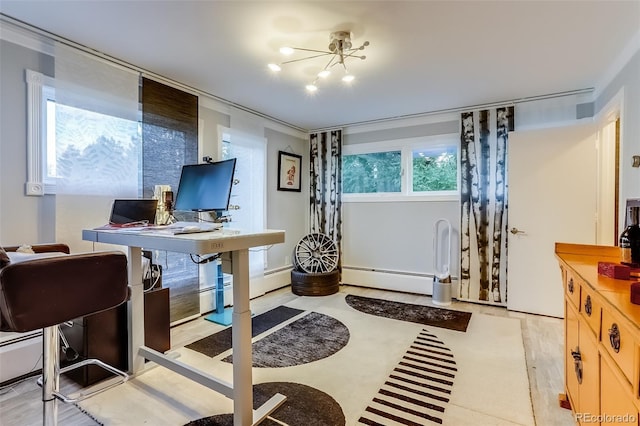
(372, 173)
(435, 170)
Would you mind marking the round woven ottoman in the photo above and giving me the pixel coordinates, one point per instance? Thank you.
(315, 283)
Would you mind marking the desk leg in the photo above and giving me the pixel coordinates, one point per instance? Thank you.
(241, 340)
(135, 311)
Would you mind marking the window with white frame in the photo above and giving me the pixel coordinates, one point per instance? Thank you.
(406, 169)
(80, 143)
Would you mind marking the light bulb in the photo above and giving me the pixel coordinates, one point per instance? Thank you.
(324, 73)
(348, 78)
(274, 67)
(311, 87)
(286, 50)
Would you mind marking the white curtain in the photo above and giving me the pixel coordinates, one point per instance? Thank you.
(93, 141)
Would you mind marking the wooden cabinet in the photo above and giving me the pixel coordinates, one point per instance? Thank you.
(602, 338)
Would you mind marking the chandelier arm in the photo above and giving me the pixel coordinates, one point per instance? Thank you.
(355, 56)
(312, 50)
(351, 54)
(330, 64)
(304, 59)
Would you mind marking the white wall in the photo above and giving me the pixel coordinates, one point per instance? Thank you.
(24, 219)
(627, 83)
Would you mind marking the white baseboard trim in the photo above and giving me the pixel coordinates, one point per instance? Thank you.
(275, 279)
(394, 281)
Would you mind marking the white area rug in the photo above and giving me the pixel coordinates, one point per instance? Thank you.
(490, 387)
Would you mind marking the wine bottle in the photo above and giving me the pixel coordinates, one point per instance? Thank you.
(630, 239)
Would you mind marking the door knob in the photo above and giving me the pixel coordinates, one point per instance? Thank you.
(515, 231)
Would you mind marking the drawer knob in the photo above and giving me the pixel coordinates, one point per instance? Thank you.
(587, 306)
(577, 364)
(614, 337)
(570, 285)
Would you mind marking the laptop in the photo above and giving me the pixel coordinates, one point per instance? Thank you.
(133, 211)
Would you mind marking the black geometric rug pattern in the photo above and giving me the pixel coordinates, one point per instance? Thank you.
(419, 388)
(304, 406)
(310, 338)
(219, 342)
(426, 315)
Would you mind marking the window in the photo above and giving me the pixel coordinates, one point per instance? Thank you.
(89, 152)
(434, 169)
(81, 141)
(372, 172)
(408, 169)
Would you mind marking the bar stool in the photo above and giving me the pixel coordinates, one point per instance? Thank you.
(50, 287)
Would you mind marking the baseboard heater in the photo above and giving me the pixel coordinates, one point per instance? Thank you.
(386, 279)
(20, 355)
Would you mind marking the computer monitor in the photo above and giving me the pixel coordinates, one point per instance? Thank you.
(205, 187)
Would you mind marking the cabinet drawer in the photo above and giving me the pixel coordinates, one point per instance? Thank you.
(591, 310)
(618, 342)
(572, 289)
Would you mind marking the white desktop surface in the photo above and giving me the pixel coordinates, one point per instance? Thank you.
(238, 243)
(218, 241)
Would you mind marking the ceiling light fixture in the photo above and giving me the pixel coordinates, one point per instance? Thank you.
(340, 49)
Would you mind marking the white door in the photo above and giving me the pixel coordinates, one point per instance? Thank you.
(552, 198)
(247, 204)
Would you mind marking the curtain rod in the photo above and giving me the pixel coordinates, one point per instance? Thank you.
(106, 57)
(460, 109)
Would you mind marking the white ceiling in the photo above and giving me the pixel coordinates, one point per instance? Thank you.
(424, 56)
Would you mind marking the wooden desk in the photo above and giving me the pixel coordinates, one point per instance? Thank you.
(237, 243)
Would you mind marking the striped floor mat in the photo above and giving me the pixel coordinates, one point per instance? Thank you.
(418, 390)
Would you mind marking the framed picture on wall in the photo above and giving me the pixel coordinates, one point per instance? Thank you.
(289, 169)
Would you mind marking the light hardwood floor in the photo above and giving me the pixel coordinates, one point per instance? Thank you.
(543, 340)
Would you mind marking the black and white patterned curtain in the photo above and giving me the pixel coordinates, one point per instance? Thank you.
(483, 202)
(326, 186)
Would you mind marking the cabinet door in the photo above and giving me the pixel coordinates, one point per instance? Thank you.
(616, 405)
(571, 334)
(590, 386)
